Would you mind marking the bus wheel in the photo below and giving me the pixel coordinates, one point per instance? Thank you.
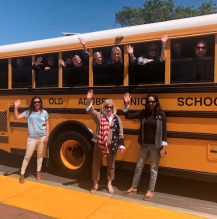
(72, 153)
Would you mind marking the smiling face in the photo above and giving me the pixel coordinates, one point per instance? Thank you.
(98, 58)
(37, 104)
(116, 55)
(109, 109)
(200, 49)
(153, 51)
(151, 103)
(77, 61)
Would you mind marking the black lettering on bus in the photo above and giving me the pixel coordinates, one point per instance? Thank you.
(143, 103)
(60, 101)
(51, 101)
(181, 101)
(215, 101)
(198, 101)
(80, 101)
(103, 100)
(98, 102)
(133, 101)
(209, 101)
(93, 101)
(186, 101)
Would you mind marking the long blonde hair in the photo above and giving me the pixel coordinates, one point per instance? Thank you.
(119, 50)
(107, 102)
(74, 58)
(95, 56)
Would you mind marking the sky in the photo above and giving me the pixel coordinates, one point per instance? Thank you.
(30, 20)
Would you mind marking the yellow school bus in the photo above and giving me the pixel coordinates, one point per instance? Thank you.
(186, 87)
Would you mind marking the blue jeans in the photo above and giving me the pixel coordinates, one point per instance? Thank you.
(145, 150)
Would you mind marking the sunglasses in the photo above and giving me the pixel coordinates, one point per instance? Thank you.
(201, 47)
(154, 50)
(109, 107)
(151, 101)
(37, 102)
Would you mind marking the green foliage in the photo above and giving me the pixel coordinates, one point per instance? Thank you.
(160, 10)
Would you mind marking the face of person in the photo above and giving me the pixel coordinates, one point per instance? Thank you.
(116, 55)
(37, 104)
(153, 51)
(151, 103)
(50, 61)
(177, 48)
(200, 49)
(99, 59)
(20, 63)
(109, 109)
(78, 62)
(69, 61)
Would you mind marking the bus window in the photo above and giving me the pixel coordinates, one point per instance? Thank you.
(21, 72)
(141, 72)
(108, 68)
(75, 70)
(192, 59)
(3, 73)
(46, 70)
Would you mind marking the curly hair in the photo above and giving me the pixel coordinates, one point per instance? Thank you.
(107, 102)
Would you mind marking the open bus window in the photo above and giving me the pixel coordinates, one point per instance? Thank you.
(21, 72)
(192, 59)
(108, 68)
(75, 68)
(143, 72)
(46, 70)
(3, 73)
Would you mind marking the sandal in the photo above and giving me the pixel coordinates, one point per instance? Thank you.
(147, 197)
(93, 190)
(111, 190)
(132, 191)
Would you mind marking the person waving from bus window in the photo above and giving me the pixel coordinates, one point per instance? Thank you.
(108, 136)
(153, 53)
(38, 133)
(116, 57)
(77, 61)
(152, 138)
(68, 63)
(98, 59)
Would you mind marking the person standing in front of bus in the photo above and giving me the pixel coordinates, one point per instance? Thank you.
(152, 138)
(38, 133)
(108, 136)
(153, 53)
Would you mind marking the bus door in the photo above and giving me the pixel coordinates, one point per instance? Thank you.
(4, 130)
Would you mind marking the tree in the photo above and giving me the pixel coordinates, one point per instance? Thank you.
(160, 10)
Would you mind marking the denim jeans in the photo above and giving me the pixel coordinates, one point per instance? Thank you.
(145, 151)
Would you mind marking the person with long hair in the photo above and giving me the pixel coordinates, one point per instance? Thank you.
(38, 133)
(116, 57)
(98, 58)
(152, 138)
(108, 136)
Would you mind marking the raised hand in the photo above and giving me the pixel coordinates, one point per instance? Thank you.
(47, 68)
(127, 98)
(164, 38)
(81, 41)
(17, 103)
(39, 61)
(130, 49)
(89, 95)
(62, 62)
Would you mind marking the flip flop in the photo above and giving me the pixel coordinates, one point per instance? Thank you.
(38, 176)
(111, 190)
(93, 190)
(147, 197)
(21, 179)
(129, 193)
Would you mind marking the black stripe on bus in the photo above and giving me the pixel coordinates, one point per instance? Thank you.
(185, 135)
(19, 124)
(169, 113)
(149, 88)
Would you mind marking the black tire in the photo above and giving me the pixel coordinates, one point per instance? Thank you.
(72, 154)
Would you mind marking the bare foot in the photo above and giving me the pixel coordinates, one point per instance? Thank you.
(21, 180)
(38, 175)
(94, 189)
(110, 189)
(131, 190)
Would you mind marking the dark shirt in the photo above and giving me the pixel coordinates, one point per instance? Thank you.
(150, 126)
